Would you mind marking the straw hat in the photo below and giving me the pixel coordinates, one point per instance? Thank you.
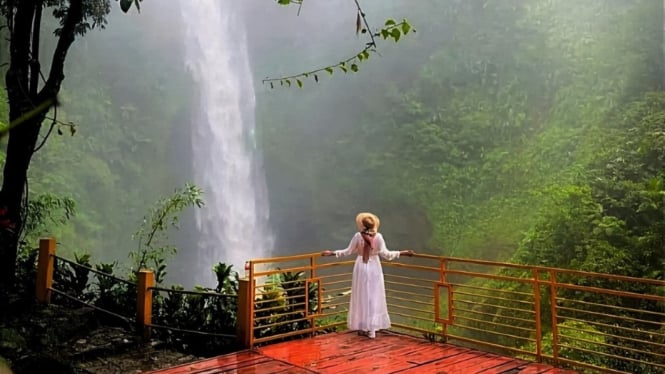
(372, 217)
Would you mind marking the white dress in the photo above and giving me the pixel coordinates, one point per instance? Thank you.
(368, 310)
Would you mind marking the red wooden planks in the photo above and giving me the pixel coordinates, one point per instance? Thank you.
(510, 364)
(349, 353)
(535, 369)
(230, 360)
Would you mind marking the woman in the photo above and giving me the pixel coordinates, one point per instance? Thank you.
(368, 311)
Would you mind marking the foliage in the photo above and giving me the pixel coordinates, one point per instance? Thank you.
(391, 29)
(280, 306)
(47, 214)
(153, 248)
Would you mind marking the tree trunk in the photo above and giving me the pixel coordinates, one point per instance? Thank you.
(24, 100)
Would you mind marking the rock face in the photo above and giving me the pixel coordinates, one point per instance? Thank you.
(63, 340)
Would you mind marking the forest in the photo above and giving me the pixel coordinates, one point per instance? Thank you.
(521, 131)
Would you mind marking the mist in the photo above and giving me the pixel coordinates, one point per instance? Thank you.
(454, 136)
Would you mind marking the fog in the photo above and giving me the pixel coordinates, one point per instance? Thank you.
(435, 133)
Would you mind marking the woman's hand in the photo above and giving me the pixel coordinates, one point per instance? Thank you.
(406, 253)
(327, 253)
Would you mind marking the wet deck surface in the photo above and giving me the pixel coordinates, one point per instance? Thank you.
(350, 353)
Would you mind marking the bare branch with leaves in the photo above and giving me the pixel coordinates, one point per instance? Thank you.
(391, 30)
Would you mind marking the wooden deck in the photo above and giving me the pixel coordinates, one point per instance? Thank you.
(349, 353)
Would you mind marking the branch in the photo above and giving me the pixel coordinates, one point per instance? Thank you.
(67, 36)
(391, 30)
(34, 58)
(367, 28)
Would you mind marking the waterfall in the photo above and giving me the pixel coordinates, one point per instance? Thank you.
(233, 225)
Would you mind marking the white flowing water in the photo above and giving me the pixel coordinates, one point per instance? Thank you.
(233, 225)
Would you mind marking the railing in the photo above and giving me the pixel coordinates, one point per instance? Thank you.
(140, 304)
(596, 322)
(591, 321)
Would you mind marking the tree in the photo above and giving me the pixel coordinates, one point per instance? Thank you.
(29, 104)
(30, 101)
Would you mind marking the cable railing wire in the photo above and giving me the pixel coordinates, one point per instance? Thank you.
(70, 297)
(73, 263)
(195, 293)
(194, 332)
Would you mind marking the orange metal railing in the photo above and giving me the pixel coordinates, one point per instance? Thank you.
(596, 322)
(590, 321)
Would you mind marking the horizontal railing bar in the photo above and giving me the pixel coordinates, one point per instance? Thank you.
(622, 358)
(281, 323)
(494, 298)
(333, 306)
(429, 320)
(328, 283)
(428, 288)
(491, 332)
(410, 266)
(414, 294)
(323, 327)
(451, 260)
(491, 345)
(495, 324)
(623, 318)
(411, 309)
(264, 339)
(282, 271)
(610, 292)
(389, 297)
(642, 311)
(428, 281)
(612, 326)
(493, 306)
(618, 337)
(462, 285)
(623, 348)
(490, 276)
(458, 309)
(416, 329)
(585, 365)
(279, 315)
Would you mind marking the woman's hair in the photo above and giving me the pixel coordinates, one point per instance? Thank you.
(368, 222)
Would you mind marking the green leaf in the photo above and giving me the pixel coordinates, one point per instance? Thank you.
(299, 82)
(125, 5)
(288, 82)
(395, 33)
(405, 27)
(329, 70)
(284, 2)
(390, 22)
(385, 33)
(354, 68)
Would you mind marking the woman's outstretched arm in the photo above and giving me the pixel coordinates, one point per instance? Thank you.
(353, 244)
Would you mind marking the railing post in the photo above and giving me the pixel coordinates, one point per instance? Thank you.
(442, 278)
(555, 324)
(45, 265)
(539, 330)
(244, 316)
(146, 280)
